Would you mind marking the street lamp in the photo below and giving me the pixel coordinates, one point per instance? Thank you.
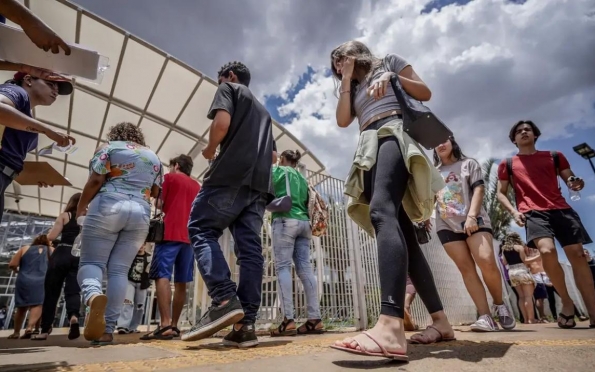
(586, 152)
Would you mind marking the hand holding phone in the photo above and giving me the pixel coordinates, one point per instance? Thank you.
(471, 225)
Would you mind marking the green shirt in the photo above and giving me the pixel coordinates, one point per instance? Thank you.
(299, 193)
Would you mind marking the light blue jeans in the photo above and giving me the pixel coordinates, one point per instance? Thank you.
(134, 307)
(291, 242)
(115, 227)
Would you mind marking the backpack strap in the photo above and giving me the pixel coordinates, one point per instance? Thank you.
(509, 170)
(556, 165)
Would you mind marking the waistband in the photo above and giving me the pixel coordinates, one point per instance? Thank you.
(375, 125)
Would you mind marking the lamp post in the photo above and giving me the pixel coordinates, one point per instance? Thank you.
(586, 152)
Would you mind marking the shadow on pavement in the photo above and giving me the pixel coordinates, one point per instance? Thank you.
(16, 346)
(37, 367)
(468, 351)
(218, 346)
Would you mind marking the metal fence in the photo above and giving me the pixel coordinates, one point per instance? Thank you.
(345, 261)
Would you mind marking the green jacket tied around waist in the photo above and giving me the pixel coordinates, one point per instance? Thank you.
(424, 183)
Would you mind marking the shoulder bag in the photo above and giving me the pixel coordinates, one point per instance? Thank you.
(284, 203)
(419, 122)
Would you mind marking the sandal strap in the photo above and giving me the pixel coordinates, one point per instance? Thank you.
(382, 348)
(311, 326)
(566, 317)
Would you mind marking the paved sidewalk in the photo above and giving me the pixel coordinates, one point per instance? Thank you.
(538, 348)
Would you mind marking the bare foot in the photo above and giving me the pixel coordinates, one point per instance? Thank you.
(389, 333)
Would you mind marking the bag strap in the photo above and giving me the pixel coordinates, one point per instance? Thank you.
(509, 171)
(557, 166)
(287, 187)
(160, 174)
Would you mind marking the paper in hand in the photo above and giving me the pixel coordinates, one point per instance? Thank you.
(69, 150)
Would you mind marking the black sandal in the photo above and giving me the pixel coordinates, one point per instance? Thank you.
(158, 334)
(74, 331)
(311, 328)
(176, 331)
(27, 335)
(283, 331)
(567, 318)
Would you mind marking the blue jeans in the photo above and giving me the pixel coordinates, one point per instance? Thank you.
(134, 307)
(291, 242)
(115, 227)
(241, 210)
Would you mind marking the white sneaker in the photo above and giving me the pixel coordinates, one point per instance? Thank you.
(506, 319)
(485, 323)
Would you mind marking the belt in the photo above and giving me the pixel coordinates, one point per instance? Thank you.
(8, 171)
(384, 115)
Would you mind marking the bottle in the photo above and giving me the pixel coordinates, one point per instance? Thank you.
(574, 195)
(76, 246)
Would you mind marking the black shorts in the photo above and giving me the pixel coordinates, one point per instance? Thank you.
(447, 236)
(540, 291)
(564, 225)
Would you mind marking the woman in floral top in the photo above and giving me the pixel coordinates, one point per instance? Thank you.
(124, 175)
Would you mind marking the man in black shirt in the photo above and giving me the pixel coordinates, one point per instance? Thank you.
(235, 191)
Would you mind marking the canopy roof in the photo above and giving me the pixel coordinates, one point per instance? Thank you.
(166, 97)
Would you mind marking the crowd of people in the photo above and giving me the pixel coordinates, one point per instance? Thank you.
(391, 185)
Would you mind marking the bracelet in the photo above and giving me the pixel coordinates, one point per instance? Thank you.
(472, 217)
(344, 91)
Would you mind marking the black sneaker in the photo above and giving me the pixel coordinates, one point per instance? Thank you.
(215, 319)
(245, 337)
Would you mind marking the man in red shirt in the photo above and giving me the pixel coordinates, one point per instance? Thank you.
(178, 193)
(546, 215)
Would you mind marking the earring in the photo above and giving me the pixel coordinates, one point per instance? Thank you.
(29, 84)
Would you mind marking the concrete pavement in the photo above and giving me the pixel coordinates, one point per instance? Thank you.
(541, 348)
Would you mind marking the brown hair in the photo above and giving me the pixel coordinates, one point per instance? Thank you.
(126, 132)
(511, 240)
(73, 203)
(41, 240)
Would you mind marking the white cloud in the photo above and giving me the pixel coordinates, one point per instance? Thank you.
(489, 63)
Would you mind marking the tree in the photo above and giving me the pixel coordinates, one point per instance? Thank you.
(499, 216)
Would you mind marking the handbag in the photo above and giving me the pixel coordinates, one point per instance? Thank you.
(156, 232)
(284, 203)
(419, 122)
(421, 233)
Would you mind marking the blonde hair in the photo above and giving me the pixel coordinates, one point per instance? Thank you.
(511, 240)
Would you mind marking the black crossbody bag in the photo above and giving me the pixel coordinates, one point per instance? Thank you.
(419, 122)
(156, 224)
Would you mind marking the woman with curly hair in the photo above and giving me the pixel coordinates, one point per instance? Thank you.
(124, 175)
(513, 253)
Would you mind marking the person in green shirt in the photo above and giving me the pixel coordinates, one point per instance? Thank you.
(292, 234)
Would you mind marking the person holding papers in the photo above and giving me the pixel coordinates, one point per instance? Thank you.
(19, 131)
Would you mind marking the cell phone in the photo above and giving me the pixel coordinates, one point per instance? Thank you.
(479, 222)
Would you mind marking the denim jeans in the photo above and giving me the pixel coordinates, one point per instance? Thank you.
(291, 242)
(241, 210)
(115, 227)
(134, 307)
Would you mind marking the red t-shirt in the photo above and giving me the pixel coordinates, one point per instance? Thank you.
(535, 181)
(177, 194)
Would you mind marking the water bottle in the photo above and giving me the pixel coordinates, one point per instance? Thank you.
(76, 246)
(574, 195)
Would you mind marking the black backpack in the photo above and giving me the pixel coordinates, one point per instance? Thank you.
(556, 164)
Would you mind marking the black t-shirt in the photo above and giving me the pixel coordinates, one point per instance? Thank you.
(245, 156)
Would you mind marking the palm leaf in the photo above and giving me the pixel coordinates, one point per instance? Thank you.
(499, 217)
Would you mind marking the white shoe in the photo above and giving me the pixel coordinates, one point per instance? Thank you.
(485, 323)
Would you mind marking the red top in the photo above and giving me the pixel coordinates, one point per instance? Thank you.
(177, 194)
(535, 181)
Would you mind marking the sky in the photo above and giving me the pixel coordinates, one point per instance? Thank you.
(489, 63)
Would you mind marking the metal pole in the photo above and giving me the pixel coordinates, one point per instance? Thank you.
(592, 165)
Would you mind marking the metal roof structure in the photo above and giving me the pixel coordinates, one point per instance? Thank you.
(166, 97)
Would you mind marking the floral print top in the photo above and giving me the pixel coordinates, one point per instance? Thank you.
(131, 169)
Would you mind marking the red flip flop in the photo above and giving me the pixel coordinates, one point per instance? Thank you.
(384, 354)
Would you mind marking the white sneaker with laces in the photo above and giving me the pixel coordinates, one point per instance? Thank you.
(485, 323)
(506, 319)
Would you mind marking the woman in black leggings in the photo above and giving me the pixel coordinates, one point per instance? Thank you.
(62, 271)
(365, 93)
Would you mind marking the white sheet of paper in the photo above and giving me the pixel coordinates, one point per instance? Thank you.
(15, 46)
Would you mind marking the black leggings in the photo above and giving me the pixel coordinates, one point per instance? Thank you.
(62, 271)
(398, 250)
